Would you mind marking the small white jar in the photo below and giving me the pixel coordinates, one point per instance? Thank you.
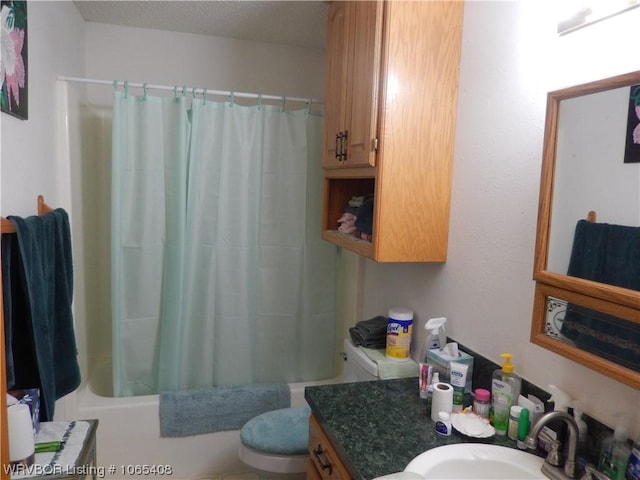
(443, 424)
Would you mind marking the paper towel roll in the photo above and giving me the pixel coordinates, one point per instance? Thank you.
(21, 441)
(442, 400)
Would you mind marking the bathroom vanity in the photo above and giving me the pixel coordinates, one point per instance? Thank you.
(364, 430)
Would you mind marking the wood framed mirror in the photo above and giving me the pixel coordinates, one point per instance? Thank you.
(590, 179)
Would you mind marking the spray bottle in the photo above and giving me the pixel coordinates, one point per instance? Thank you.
(436, 337)
(578, 409)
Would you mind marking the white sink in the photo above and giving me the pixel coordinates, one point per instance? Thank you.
(476, 461)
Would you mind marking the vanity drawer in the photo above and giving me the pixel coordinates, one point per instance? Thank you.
(324, 461)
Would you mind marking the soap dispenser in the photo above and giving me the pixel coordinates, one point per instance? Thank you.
(505, 390)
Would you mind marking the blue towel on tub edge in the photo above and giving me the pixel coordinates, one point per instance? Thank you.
(193, 412)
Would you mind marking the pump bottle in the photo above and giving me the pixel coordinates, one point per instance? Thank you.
(505, 390)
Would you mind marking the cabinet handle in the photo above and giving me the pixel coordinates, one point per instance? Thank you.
(322, 459)
(345, 145)
(338, 145)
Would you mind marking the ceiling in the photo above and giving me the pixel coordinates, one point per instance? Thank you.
(299, 23)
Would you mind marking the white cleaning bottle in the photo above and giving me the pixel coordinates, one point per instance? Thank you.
(436, 338)
(582, 425)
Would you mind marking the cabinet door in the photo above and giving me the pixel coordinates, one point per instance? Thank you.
(365, 38)
(326, 462)
(335, 82)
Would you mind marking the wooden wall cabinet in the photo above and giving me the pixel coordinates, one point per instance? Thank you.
(324, 462)
(353, 68)
(391, 85)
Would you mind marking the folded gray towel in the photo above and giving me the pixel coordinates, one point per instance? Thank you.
(370, 333)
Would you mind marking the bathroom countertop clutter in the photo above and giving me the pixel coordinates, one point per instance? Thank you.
(378, 427)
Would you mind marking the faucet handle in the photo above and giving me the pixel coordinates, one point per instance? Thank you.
(591, 473)
(553, 455)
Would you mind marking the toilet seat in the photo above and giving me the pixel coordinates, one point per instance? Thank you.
(277, 441)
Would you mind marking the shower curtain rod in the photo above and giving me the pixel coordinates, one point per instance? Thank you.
(194, 90)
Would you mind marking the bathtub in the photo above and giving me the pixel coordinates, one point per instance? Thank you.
(129, 433)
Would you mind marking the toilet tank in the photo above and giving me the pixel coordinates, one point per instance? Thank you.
(357, 366)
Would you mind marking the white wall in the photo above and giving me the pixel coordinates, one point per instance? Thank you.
(511, 57)
(28, 164)
(166, 58)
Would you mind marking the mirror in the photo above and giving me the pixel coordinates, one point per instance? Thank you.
(589, 170)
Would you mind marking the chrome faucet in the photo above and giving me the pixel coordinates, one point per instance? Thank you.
(551, 466)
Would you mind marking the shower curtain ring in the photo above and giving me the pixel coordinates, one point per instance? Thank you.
(204, 96)
(309, 102)
(144, 90)
(232, 98)
(259, 101)
(284, 100)
(126, 89)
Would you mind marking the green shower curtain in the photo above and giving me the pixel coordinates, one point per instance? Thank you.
(219, 275)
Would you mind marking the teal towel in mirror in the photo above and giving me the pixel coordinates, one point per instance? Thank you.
(608, 254)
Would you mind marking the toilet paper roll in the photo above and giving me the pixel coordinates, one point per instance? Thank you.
(21, 441)
(442, 400)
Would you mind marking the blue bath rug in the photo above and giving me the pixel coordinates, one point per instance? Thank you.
(193, 412)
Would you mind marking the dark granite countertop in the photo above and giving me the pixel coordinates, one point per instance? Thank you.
(378, 427)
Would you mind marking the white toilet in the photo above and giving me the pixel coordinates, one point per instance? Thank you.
(275, 444)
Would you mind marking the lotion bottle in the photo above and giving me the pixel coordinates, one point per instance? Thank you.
(505, 390)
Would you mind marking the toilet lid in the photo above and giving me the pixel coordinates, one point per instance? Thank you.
(282, 432)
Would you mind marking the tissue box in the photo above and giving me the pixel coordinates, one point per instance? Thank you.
(440, 362)
(31, 397)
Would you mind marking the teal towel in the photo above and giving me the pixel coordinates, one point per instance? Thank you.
(193, 412)
(608, 254)
(38, 314)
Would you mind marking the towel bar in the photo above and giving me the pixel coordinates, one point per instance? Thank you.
(6, 226)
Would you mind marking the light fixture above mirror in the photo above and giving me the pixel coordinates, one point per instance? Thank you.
(576, 14)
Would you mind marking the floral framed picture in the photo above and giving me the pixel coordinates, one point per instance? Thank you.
(632, 143)
(14, 97)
